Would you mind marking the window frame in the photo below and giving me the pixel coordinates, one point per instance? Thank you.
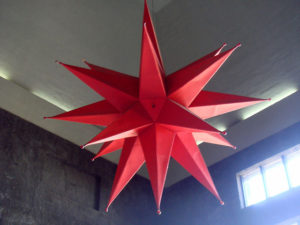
(260, 165)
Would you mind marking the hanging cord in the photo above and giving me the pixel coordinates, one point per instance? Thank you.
(152, 12)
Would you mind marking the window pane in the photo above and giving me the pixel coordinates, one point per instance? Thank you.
(253, 188)
(275, 177)
(293, 168)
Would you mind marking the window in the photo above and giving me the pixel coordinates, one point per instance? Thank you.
(270, 177)
(275, 178)
(293, 168)
(253, 187)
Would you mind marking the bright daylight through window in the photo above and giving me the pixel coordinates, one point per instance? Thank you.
(270, 177)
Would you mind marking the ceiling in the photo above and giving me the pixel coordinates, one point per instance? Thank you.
(108, 33)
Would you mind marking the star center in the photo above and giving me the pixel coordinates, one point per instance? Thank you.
(153, 106)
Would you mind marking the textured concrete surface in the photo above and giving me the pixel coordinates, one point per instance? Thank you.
(46, 180)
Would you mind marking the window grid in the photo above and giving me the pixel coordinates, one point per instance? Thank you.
(241, 190)
(262, 172)
(283, 157)
(261, 166)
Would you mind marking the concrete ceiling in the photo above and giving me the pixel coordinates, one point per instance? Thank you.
(108, 32)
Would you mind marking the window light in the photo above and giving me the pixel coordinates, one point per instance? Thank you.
(253, 187)
(293, 168)
(275, 178)
(270, 177)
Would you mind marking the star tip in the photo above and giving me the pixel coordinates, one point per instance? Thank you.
(224, 44)
(58, 62)
(82, 146)
(234, 147)
(93, 159)
(222, 203)
(158, 212)
(84, 60)
(224, 132)
(238, 45)
(269, 99)
(106, 209)
(45, 117)
(146, 4)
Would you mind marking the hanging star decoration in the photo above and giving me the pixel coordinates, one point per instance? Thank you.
(155, 117)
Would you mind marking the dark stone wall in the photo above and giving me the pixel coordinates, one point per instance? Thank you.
(46, 180)
(188, 203)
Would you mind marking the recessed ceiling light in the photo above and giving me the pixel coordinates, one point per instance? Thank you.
(4, 75)
(52, 100)
(247, 113)
(220, 127)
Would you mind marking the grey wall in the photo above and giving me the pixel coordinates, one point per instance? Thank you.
(187, 203)
(46, 180)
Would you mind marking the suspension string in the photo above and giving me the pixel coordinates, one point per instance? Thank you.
(153, 14)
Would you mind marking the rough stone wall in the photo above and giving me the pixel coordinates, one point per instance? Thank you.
(45, 180)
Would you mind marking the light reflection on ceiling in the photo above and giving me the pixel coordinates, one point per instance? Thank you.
(252, 110)
(62, 105)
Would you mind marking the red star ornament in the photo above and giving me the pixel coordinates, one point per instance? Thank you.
(155, 117)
